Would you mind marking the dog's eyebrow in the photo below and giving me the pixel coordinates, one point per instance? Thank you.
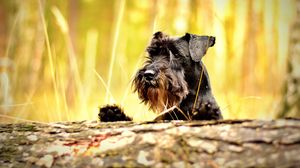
(171, 55)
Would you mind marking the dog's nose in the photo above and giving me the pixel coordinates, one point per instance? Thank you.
(149, 74)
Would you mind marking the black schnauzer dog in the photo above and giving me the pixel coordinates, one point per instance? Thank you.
(173, 82)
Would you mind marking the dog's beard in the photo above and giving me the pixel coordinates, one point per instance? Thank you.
(157, 97)
(166, 91)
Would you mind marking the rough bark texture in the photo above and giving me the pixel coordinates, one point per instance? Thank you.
(238, 143)
(290, 105)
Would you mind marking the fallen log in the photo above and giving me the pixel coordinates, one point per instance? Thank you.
(228, 143)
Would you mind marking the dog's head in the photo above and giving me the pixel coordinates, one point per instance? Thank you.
(161, 82)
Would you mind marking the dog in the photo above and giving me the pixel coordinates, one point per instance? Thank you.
(173, 81)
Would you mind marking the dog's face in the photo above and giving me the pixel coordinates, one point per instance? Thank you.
(161, 83)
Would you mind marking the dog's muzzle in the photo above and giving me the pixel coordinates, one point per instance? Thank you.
(150, 78)
(149, 75)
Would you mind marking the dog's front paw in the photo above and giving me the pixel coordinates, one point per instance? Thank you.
(207, 111)
(110, 113)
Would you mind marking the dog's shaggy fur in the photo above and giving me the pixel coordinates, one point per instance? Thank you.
(174, 82)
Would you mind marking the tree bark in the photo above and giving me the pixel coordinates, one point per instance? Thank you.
(228, 143)
(290, 104)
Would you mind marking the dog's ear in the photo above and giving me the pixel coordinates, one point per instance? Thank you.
(158, 44)
(158, 35)
(198, 45)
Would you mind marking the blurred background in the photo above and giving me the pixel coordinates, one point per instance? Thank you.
(61, 60)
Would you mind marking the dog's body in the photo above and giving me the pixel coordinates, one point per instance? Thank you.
(174, 80)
